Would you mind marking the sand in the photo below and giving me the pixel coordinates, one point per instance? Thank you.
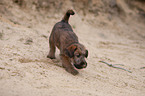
(25, 70)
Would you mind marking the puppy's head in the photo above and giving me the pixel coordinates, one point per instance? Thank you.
(77, 53)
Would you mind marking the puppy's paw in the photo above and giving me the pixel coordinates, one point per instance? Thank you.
(72, 71)
(51, 57)
(75, 72)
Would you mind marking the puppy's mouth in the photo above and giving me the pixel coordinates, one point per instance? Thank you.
(80, 66)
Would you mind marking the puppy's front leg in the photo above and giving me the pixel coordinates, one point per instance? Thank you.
(67, 65)
(51, 54)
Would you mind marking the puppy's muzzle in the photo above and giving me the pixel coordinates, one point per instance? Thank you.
(81, 65)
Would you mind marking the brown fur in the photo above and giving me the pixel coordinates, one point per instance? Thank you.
(71, 51)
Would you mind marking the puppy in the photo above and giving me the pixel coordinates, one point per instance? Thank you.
(72, 53)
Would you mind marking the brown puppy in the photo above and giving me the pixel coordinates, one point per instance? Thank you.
(71, 51)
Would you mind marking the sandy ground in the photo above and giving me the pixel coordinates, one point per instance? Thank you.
(25, 70)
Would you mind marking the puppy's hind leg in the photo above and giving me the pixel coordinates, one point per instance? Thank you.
(51, 54)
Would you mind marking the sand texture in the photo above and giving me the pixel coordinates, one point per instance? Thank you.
(116, 36)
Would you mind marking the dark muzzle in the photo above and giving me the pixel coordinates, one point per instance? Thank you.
(81, 65)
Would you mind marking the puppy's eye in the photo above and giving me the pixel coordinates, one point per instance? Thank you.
(78, 55)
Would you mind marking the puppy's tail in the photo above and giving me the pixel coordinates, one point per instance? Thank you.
(67, 15)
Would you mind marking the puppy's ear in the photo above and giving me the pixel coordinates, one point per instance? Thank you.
(86, 54)
(70, 51)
